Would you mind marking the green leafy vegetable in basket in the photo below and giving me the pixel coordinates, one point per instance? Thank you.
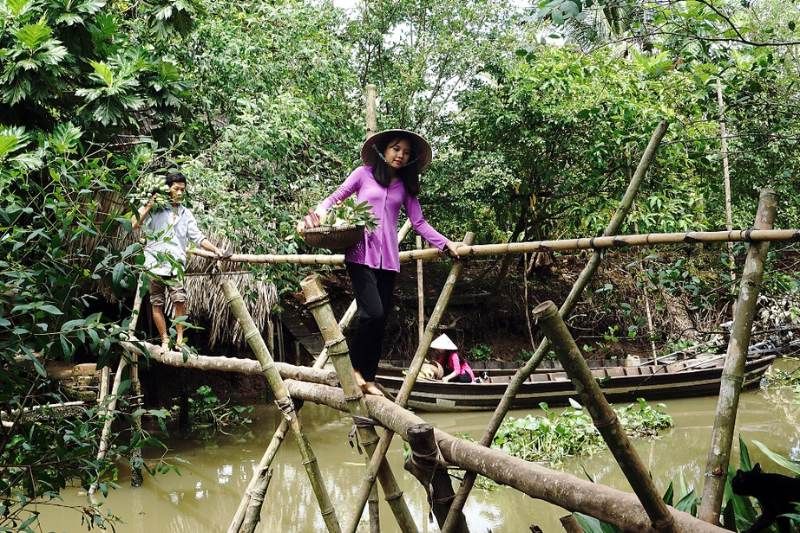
(148, 186)
(349, 212)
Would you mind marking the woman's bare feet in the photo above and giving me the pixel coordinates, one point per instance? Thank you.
(360, 381)
(370, 388)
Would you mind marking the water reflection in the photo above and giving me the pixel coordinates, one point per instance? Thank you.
(207, 491)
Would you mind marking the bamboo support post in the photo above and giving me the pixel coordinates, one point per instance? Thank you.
(420, 295)
(253, 514)
(280, 432)
(136, 457)
(319, 304)
(604, 417)
(733, 372)
(109, 404)
(283, 400)
(409, 381)
(524, 372)
(425, 465)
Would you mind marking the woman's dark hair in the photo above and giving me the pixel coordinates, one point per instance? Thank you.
(409, 173)
(174, 176)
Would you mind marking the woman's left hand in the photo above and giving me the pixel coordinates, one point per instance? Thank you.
(451, 248)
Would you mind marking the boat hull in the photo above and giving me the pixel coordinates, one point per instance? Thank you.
(619, 384)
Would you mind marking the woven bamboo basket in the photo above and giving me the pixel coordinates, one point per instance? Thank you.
(333, 238)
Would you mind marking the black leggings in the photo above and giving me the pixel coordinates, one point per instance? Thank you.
(373, 291)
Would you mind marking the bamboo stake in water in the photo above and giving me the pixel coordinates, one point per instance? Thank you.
(408, 384)
(276, 384)
(109, 404)
(319, 304)
(566, 308)
(420, 295)
(733, 372)
(280, 432)
(604, 417)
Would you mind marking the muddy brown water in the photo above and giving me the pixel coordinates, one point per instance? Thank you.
(203, 497)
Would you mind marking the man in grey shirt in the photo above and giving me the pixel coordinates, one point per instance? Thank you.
(169, 231)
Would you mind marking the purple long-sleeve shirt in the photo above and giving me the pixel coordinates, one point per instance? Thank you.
(379, 248)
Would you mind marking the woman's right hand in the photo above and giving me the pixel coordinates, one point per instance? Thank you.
(311, 220)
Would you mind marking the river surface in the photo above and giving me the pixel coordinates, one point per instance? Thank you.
(213, 475)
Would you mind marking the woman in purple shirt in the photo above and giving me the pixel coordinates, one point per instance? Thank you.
(388, 180)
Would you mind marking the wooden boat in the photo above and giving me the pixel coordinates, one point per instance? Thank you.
(692, 377)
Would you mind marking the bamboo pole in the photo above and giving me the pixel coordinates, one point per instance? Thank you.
(283, 400)
(136, 457)
(733, 373)
(420, 295)
(408, 383)
(253, 514)
(726, 176)
(560, 245)
(108, 405)
(605, 420)
(565, 490)
(319, 304)
(280, 432)
(566, 308)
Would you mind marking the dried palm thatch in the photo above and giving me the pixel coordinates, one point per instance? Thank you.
(207, 302)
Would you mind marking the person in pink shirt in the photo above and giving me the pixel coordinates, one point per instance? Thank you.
(388, 180)
(446, 355)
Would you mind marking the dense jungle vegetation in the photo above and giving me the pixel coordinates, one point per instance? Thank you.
(537, 112)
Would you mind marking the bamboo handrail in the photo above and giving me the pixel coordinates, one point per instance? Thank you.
(284, 402)
(603, 416)
(408, 384)
(558, 245)
(319, 304)
(719, 451)
(566, 308)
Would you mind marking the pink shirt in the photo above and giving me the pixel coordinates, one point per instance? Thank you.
(454, 362)
(379, 248)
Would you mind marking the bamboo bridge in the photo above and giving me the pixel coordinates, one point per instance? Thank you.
(376, 420)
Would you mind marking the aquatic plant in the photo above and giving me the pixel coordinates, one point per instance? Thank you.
(209, 416)
(555, 436)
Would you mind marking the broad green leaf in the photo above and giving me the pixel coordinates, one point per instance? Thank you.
(51, 309)
(103, 71)
(744, 455)
(779, 459)
(34, 35)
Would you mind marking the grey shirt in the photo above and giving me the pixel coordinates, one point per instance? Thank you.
(169, 233)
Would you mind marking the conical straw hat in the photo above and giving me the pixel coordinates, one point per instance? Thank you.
(443, 342)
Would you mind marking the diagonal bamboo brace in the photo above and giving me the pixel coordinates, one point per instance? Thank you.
(604, 417)
(319, 304)
(408, 384)
(284, 402)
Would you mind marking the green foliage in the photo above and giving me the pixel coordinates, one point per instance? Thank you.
(480, 352)
(350, 212)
